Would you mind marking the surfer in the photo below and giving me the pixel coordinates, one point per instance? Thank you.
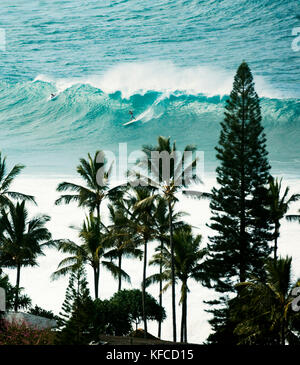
(132, 116)
(133, 119)
(52, 96)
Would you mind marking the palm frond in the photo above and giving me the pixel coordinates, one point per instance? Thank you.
(15, 171)
(115, 271)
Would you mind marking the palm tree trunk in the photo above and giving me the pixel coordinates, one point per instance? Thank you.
(98, 211)
(17, 288)
(172, 271)
(185, 316)
(183, 336)
(120, 277)
(96, 280)
(160, 286)
(283, 332)
(97, 269)
(144, 288)
(276, 234)
(182, 323)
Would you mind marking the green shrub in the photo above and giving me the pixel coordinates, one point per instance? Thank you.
(38, 311)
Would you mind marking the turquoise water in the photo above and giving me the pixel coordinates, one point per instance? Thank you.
(170, 62)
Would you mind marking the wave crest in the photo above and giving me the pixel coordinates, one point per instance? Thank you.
(162, 76)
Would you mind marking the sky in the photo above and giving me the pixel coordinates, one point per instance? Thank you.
(50, 294)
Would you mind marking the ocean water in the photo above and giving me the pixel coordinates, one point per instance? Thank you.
(172, 63)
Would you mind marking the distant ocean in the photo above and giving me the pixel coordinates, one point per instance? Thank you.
(170, 62)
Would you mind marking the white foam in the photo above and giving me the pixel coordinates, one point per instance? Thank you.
(163, 76)
(60, 84)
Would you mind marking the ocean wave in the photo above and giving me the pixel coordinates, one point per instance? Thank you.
(87, 115)
(161, 76)
(94, 113)
(80, 103)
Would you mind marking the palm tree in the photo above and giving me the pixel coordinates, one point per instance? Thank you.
(142, 223)
(169, 174)
(278, 206)
(267, 305)
(122, 237)
(161, 221)
(6, 180)
(91, 251)
(188, 265)
(91, 195)
(22, 240)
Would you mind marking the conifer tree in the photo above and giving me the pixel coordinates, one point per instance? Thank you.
(77, 310)
(240, 217)
(238, 205)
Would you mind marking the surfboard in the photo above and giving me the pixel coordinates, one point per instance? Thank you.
(131, 121)
(139, 117)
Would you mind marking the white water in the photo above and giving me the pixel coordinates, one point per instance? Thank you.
(163, 76)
